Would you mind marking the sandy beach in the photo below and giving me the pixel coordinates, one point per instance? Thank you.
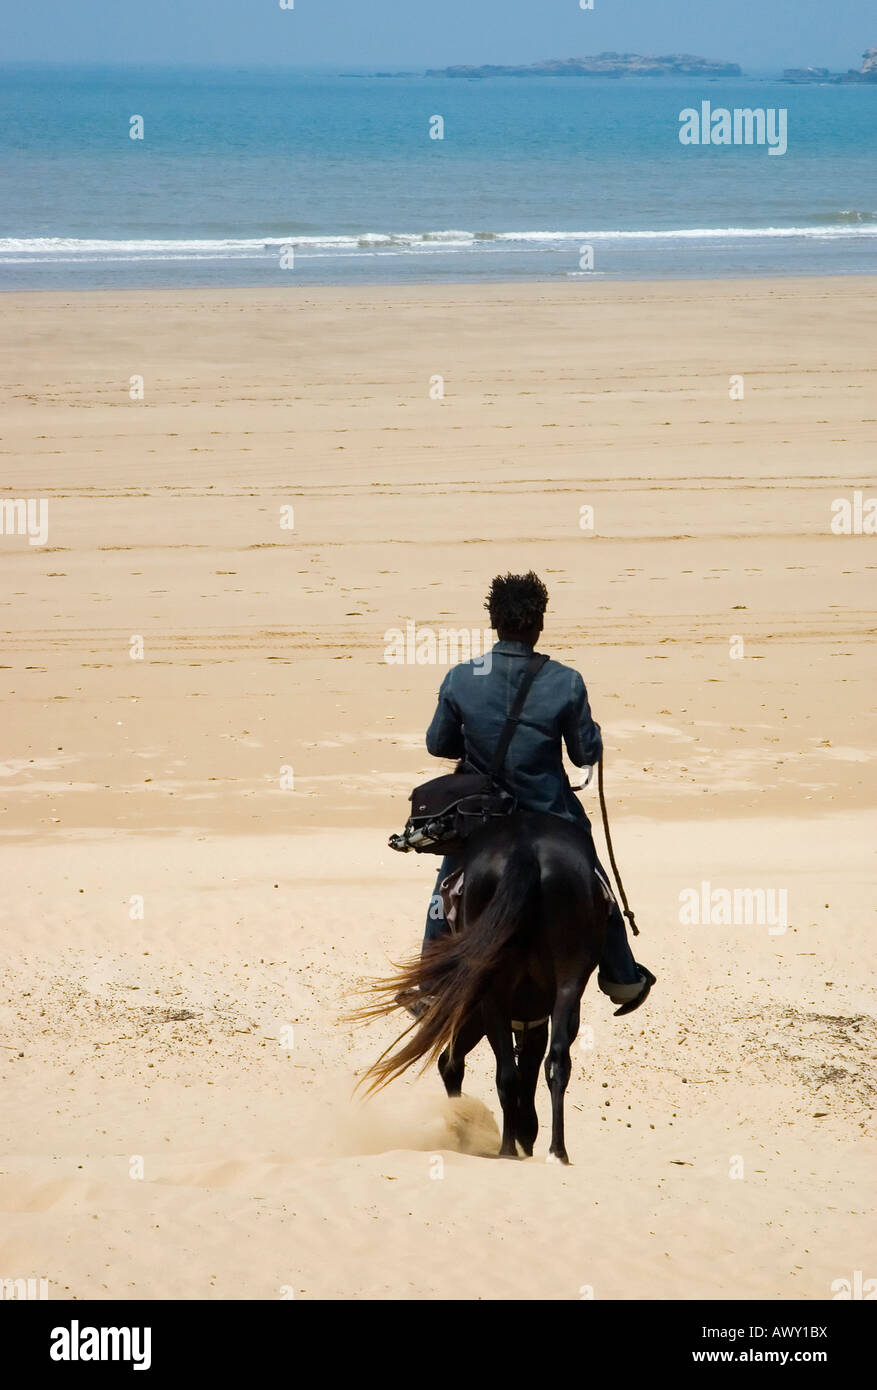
(206, 748)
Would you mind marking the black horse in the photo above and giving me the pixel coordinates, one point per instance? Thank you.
(530, 931)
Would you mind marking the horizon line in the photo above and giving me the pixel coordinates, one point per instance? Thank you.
(322, 68)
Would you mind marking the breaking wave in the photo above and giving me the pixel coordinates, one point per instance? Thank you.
(33, 250)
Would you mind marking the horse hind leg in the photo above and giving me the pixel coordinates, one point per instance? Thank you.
(499, 1035)
(531, 1050)
(564, 1027)
(452, 1062)
(451, 1068)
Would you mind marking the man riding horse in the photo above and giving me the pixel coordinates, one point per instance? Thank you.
(474, 702)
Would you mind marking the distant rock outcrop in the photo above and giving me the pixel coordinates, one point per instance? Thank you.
(602, 65)
(808, 75)
(866, 73)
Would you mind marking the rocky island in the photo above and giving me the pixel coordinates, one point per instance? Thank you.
(602, 65)
(866, 73)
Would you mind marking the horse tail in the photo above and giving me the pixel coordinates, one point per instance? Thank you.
(456, 971)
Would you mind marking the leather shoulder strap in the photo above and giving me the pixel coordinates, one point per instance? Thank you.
(534, 666)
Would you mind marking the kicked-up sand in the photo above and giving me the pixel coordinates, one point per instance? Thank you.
(205, 750)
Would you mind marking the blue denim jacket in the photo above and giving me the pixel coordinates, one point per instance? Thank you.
(474, 702)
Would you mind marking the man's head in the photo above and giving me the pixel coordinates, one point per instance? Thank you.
(516, 604)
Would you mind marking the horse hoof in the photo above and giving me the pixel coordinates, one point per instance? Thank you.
(557, 1158)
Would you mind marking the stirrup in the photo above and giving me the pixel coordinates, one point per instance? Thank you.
(643, 995)
(414, 1002)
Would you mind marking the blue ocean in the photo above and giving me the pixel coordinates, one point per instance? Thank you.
(274, 177)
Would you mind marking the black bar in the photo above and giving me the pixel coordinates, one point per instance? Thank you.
(378, 1337)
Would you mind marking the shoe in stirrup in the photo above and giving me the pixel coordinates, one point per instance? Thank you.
(629, 996)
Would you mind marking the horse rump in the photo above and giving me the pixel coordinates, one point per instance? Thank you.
(500, 903)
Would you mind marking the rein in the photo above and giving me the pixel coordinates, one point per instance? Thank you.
(627, 908)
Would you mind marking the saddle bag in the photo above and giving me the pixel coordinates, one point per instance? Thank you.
(446, 810)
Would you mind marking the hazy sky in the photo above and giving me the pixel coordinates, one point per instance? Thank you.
(354, 34)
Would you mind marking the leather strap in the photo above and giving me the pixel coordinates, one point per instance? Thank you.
(534, 666)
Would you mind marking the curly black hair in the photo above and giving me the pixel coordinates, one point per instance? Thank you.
(516, 603)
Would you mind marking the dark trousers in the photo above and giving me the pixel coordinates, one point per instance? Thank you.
(616, 964)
